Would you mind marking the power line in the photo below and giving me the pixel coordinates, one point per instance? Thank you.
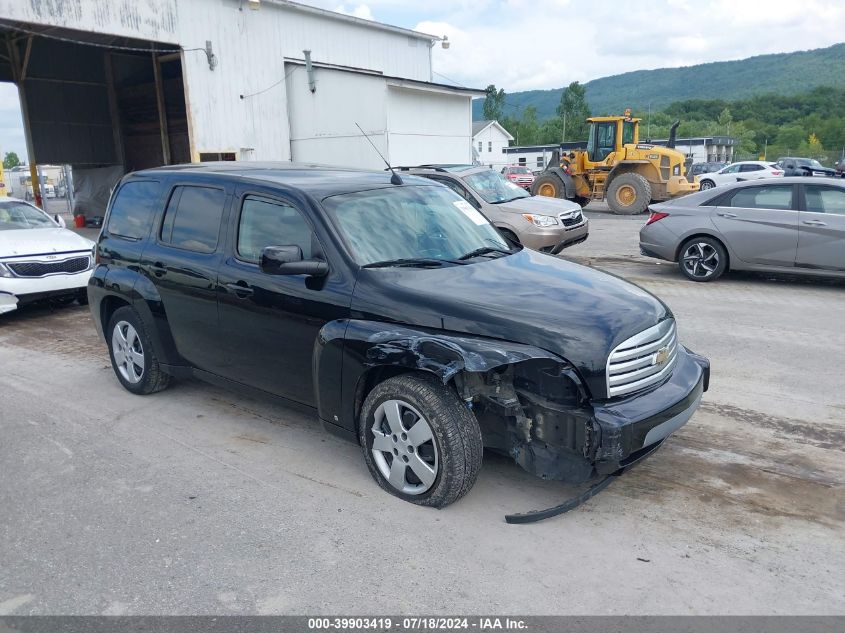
(270, 87)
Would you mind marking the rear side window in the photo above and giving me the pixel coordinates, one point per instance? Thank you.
(750, 168)
(271, 223)
(821, 199)
(763, 197)
(192, 218)
(133, 208)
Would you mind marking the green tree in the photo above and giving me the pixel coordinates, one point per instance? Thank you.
(11, 160)
(529, 129)
(494, 103)
(573, 112)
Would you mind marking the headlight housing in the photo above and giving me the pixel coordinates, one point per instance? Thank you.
(4, 271)
(541, 220)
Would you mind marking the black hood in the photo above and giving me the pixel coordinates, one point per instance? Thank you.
(571, 310)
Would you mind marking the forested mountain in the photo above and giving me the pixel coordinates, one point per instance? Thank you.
(783, 74)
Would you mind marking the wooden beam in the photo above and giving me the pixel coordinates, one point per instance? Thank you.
(114, 111)
(162, 111)
(26, 54)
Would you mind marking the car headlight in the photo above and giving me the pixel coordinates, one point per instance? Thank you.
(4, 271)
(540, 220)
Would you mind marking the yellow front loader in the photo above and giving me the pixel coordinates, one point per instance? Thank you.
(617, 167)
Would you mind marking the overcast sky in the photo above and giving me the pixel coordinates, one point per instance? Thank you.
(525, 44)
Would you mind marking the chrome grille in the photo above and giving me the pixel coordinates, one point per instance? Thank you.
(643, 360)
(42, 269)
(571, 220)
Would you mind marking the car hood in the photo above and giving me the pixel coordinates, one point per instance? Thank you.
(540, 204)
(571, 310)
(21, 242)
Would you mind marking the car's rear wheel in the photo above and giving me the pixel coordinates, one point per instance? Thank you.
(420, 442)
(133, 357)
(704, 185)
(703, 259)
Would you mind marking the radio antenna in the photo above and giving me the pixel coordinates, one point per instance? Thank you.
(394, 179)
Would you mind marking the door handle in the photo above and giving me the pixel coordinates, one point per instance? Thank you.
(814, 223)
(159, 269)
(727, 215)
(241, 290)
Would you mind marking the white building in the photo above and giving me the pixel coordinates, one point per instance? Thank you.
(140, 84)
(705, 149)
(489, 139)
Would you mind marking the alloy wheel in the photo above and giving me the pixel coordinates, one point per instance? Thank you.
(128, 352)
(700, 260)
(704, 186)
(403, 448)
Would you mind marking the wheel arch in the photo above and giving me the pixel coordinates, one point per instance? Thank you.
(351, 357)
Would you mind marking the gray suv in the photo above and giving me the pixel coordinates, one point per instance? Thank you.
(544, 224)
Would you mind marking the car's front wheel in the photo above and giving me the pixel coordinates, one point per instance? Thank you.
(132, 355)
(420, 442)
(704, 185)
(703, 259)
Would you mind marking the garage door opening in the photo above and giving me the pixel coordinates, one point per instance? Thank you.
(95, 101)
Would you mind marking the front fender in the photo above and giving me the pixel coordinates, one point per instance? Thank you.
(346, 351)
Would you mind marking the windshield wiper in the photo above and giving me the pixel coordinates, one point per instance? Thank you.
(484, 250)
(509, 200)
(411, 262)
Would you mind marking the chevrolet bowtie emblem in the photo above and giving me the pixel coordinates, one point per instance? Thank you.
(661, 356)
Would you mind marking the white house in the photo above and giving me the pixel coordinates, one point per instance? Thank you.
(489, 140)
(140, 84)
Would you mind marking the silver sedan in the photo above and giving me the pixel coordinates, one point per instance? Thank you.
(794, 225)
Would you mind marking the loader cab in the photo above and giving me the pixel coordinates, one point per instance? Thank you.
(610, 134)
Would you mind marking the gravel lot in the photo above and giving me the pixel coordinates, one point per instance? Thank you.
(197, 500)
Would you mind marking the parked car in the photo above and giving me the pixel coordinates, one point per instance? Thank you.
(739, 172)
(545, 224)
(784, 225)
(39, 258)
(519, 175)
(697, 169)
(804, 167)
(839, 166)
(397, 313)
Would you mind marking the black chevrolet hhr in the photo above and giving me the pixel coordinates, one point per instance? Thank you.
(397, 312)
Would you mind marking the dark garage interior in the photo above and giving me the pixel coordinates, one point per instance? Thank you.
(91, 100)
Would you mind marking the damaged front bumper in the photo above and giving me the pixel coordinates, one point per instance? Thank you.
(576, 444)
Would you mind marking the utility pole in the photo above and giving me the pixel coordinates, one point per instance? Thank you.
(563, 140)
(648, 123)
(766, 150)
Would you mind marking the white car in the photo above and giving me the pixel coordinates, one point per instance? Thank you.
(39, 259)
(737, 172)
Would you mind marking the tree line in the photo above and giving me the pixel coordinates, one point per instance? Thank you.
(809, 124)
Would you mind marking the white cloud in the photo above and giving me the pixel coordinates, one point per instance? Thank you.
(361, 11)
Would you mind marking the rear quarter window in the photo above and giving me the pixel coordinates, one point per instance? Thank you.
(133, 208)
(192, 218)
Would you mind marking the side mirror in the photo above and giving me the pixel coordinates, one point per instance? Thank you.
(60, 221)
(287, 260)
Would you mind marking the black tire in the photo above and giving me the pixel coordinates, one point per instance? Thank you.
(152, 378)
(704, 185)
(455, 436)
(581, 201)
(710, 259)
(82, 297)
(548, 185)
(619, 197)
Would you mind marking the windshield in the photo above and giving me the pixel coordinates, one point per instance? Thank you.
(18, 215)
(416, 222)
(494, 188)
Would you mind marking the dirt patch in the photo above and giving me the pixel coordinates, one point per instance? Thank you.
(816, 434)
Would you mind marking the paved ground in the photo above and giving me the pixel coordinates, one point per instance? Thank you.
(199, 501)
